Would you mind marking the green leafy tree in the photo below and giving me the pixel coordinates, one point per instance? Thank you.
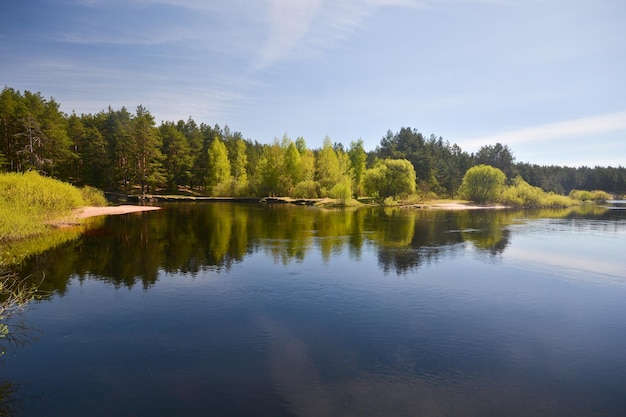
(239, 168)
(327, 172)
(270, 170)
(306, 187)
(219, 176)
(358, 159)
(307, 160)
(342, 191)
(293, 165)
(390, 178)
(482, 184)
(301, 145)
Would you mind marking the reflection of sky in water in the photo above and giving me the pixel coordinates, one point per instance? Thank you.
(584, 246)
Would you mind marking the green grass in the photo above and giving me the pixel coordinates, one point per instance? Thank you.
(29, 202)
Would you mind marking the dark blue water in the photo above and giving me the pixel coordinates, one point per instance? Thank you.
(216, 309)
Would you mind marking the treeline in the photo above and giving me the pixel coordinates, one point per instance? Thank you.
(117, 150)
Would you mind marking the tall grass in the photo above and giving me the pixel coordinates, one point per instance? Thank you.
(92, 196)
(29, 201)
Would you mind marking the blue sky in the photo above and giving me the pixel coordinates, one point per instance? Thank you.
(545, 77)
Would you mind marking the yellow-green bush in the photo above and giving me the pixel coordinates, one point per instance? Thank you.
(522, 194)
(342, 191)
(482, 184)
(595, 195)
(306, 189)
(92, 196)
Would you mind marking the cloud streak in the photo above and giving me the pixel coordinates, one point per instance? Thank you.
(306, 27)
(560, 130)
(289, 21)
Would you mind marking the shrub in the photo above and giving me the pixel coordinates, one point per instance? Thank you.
(482, 184)
(342, 191)
(222, 189)
(522, 194)
(596, 195)
(306, 189)
(390, 178)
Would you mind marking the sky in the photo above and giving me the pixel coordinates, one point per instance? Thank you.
(545, 77)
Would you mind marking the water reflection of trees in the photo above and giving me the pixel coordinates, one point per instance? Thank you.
(8, 398)
(190, 238)
(425, 236)
(15, 294)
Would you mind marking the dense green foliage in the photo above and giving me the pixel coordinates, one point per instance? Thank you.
(390, 178)
(522, 194)
(117, 150)
(28, 201)
(595, 195)
(482, 184)
(487, 184)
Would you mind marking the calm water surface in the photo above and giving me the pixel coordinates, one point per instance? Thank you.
(221, 309)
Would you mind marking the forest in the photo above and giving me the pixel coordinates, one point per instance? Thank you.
(119, 151)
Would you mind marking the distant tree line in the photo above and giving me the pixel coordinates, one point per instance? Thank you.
(117, 150)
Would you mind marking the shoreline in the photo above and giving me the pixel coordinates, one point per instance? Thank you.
(93, 211)
(457, 205)
(447, 205)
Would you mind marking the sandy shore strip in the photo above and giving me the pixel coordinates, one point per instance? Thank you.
(84, 212)
(457, 205)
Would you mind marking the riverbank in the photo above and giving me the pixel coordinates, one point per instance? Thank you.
(456, 205)
(322, 202)
(92, 211)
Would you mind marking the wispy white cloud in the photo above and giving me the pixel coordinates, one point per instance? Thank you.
(288, 21)
(265, 32)
(306, 27)
(560, 130)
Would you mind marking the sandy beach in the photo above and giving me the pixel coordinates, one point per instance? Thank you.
(457, 205)
(84, 212)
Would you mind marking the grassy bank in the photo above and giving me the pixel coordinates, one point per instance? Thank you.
(29, 203)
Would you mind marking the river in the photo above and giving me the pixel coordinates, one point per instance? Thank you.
(277, 310)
